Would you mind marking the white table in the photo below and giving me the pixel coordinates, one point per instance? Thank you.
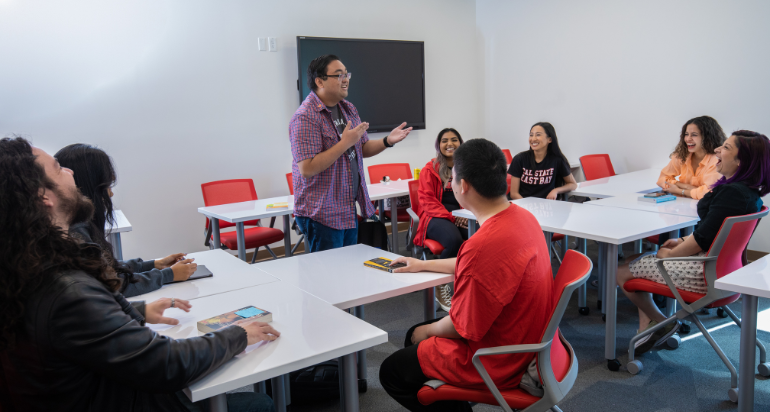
(752, 281)
(339, 277)
(609, 227)
(122, 225)
(229, 272)
(244, 211)
(641, 181)
(391, 190)
(682, 206)
(312, 331)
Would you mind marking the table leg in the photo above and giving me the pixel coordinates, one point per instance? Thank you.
(218, 403)
(260, 387)
(670, 307)
(638, 246)
(358, 312)
(348, 384)
(394, 222)
(286, 236)
(747, 366)
(548, 237)
(429, 297)
(117, 246)
(471, 227)
(215, 242)
(241, 240)
(279, 391)
(687, 231)
(610, 303)
(600, 271)
(287, 388)
(582, 245)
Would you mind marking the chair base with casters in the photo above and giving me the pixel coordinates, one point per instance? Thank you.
(725, 255)
(556, 362)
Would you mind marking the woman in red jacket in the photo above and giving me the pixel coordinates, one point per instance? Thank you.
(437, 201)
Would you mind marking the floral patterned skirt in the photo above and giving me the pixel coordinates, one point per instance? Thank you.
(686, 275)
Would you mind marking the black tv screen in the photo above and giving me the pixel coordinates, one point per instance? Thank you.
(387, 83)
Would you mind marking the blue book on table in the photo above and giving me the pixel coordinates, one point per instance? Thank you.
(659, 199)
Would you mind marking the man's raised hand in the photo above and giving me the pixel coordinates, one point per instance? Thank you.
(399, 133)
(351, 136)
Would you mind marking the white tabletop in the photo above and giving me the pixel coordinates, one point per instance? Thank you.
(752, 279)
(391, 189)
(340, 278)
(602, 224)
(683, 206)
(253, 209)
(641, 181)
(230, 273)
(121, 223)
(312, 331)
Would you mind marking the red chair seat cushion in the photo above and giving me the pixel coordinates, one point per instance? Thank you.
(434, 246)
(255, 237)
(654, 239)
(557, 237)
(644, 285)
(516, 398)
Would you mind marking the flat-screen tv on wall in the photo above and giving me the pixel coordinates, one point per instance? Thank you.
(387, 83)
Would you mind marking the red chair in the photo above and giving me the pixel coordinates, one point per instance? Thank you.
(233, 191)
(556, 361)
(394, 171)
(290, 182)
(597, 166)
(725, 256)
(414, 215)
(508, 157)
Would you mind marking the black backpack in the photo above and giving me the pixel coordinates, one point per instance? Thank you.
(319, 382)
(373, 233)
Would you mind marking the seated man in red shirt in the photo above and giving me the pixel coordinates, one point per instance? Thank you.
(503, 284)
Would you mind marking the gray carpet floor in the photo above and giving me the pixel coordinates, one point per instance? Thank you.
(690, 378)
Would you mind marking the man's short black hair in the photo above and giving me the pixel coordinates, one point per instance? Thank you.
(317, 68)
(482, 165)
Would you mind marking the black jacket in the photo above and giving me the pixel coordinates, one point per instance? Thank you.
(145, 278)
(84, 348)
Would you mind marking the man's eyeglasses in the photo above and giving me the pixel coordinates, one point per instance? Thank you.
(340, 77)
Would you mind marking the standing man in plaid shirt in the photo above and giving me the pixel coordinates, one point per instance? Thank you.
(328, 144)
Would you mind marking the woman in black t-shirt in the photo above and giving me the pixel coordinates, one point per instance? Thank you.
(542, 171)
(744, 162)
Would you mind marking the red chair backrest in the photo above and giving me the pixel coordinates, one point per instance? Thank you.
(393, 170)
(597, 166)
(573, 267)
(508, 157)
(222, 192)
(730, 250)
(414, 198)
(290, 182)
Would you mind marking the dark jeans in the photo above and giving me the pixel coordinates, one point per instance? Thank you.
(450, 236)
(402, 377)
(319, 237)
(236, 402)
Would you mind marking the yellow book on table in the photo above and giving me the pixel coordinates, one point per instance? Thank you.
(282, 205)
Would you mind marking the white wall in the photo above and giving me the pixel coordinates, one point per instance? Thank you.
(178, 94)
(621, 77)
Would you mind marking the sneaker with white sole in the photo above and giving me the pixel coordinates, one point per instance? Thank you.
(444, 296)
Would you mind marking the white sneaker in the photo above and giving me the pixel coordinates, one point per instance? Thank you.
(444, 296)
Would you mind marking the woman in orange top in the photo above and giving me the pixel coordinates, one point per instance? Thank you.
(693, 159)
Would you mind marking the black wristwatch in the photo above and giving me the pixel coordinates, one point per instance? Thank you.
(385, 142)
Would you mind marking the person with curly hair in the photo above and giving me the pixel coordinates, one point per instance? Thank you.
(95, 177)
(69, 341)
(744, 163)
(693, 160)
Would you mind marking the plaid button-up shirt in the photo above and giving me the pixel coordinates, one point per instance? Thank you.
(326, 197)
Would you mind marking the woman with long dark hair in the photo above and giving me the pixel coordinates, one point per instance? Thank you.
(95, 177)
(437, 201)
(744, 163)
(694, 160)
(542, 171)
